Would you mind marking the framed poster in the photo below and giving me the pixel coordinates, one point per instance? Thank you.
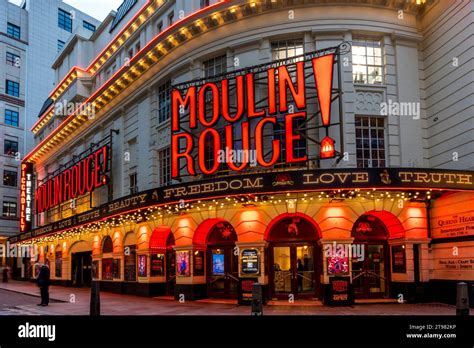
(107, 269)
(157, 265)
(182, 264)
(399, 264)
(59, 264)
(340, 291)
(116, 268)
(198, 263)
(95, 269)
(130, 263)
(250, 262)
(142, 270)
(338, 265)
(218, 264)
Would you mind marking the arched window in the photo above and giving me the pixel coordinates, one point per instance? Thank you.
(108, 245)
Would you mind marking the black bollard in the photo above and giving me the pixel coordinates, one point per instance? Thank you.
(257, 299)
(5, 275)
(95, 298)
(462, 299)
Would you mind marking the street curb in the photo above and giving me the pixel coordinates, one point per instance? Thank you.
(32, 295)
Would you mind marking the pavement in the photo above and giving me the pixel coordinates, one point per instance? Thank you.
(20, 298)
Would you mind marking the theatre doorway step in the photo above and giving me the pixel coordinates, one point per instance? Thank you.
(82, 269)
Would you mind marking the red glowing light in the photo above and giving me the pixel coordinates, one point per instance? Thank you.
(327, 148)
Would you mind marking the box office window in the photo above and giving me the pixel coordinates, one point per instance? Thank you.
(367, 66)
(130, 263)
(9, 209)
(370, 141)
(10, 178)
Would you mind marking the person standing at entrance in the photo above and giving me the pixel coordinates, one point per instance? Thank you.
(300, 269)
(43, 283)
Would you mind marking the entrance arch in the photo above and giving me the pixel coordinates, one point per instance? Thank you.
(81, 264)
(371, 274)
(219, 238)
(163, 257)
(294, 256)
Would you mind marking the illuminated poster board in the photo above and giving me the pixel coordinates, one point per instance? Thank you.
(182, 264)
(157, 262)
(198, 263)
(142, 269)
(399, 259)
(218, 264)
(250, 262)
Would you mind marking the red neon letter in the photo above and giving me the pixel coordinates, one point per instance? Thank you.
(229, 141)
(240, 99)
(272, 107)
(176, 155)
(216, 146)
(251, 98)
(323, 71)
(284, 80)
(259, 143)
(203, 102)
(290, 138)
(178, 104)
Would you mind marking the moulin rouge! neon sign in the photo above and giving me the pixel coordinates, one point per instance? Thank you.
(81, 178)
(212, 116)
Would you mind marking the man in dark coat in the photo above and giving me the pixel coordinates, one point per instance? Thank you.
(43, 283)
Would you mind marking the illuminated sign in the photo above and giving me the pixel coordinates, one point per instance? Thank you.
(265, 183)
(81, 178)
(241, 111)
(26, 197)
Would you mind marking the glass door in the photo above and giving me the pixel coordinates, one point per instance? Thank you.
(305, 269)
(368, 275)
(282, 271)
(223, 273)
(293, 270)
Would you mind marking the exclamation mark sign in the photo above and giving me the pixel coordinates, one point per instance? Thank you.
(323, 71)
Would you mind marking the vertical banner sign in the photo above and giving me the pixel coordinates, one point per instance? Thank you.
(224, 122)
(26, 197)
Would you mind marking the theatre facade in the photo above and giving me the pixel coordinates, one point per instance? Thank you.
(231, 143)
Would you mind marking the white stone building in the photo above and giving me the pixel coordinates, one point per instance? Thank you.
(406, 102)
